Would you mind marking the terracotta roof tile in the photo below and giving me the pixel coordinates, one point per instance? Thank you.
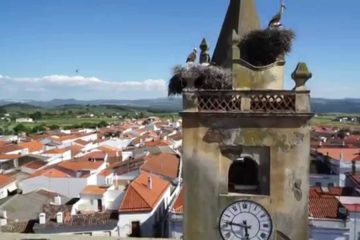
(75, 149)
(352, 207)
(157, 143)
(56, 151)
(106, 172)
(10, 148)
(139, 198)
(9, 156)
(347, 154)
(5, 180)
(33, 146)
(330, 191)
(178, 206)
(352, 139)
(323, 202)
(96, 155)
(81, 142)
(76, 165)
(94, 190)
(65, 137)
(111, 151)
(51, 173)
(127, 166)
(164, 164)
(35, 164)
(314, 192)
(324, 207)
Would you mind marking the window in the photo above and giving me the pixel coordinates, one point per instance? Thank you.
(244, 176)
(249, 169)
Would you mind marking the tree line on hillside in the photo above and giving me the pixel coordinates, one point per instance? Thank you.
(22, 128)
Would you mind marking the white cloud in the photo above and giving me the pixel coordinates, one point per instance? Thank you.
(81, 87)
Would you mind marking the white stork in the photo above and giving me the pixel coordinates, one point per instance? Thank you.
(192, 56)
(275, 22)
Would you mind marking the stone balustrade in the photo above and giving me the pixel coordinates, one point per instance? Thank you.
(246, 101)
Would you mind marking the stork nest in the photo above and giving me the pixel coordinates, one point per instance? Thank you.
(263, 47)
(203, 77)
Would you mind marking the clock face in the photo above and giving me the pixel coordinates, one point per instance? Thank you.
(245, 220)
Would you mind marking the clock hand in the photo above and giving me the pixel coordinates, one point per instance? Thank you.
(239, 225)
(246, 229)
(235, 224)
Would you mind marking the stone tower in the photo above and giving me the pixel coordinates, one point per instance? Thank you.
(246, 150)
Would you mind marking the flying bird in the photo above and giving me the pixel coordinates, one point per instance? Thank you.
(192, 56)
(275, 22)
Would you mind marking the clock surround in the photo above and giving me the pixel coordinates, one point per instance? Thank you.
(245, 220)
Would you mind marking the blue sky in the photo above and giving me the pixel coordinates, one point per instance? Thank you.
(125, 49)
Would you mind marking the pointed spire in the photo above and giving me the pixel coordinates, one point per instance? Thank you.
(241, 17)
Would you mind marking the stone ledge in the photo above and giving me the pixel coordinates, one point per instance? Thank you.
(16, 236)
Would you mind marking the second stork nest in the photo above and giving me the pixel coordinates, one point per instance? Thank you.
(263, 47)
(203, 77)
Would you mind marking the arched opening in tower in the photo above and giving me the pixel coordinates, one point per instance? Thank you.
(244, 176)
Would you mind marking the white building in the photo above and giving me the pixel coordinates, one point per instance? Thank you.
(341, 160)
(7, 185)
(142, 211)
(328, 217)
(68, 178)
(95, 198)
(175, 217)
(24, 120)
(324, 180)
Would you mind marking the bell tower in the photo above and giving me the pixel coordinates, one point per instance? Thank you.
(246, 149)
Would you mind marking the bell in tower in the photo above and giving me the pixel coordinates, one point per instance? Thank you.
(246, 143)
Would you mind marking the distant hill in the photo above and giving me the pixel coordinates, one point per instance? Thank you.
(12, 107)
(319, 105)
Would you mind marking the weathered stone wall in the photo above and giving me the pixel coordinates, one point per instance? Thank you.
(249, 77)
(206, 170)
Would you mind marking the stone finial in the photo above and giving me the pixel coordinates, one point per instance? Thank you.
(300, 75)
(204, 55)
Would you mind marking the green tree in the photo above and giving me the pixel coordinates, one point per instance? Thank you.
(38, 129)
(102, 124)
(36, 115)
(2, 111)
(54, 127)
(21, 128)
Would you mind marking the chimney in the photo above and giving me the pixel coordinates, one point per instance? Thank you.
(57, 200)
(150, 183)
(59, 217)
(42, 218)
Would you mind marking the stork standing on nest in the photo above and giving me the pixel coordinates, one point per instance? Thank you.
(275, 22)
(192, 57)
